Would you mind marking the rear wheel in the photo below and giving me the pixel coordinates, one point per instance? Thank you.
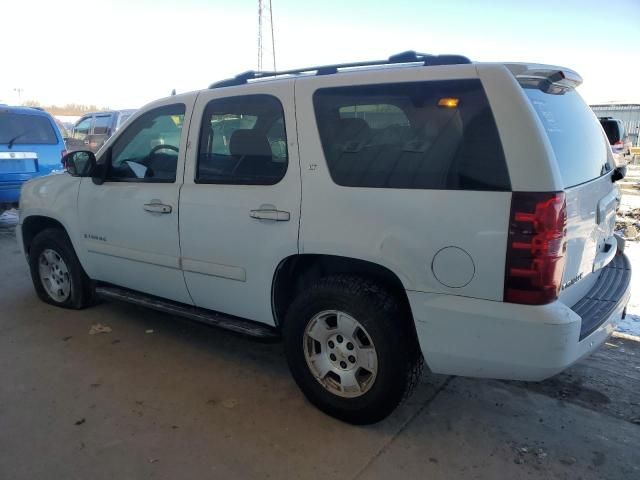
(350, 349)
(57, 275)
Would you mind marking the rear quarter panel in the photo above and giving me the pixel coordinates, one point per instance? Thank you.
(530, 158)
(400, 229)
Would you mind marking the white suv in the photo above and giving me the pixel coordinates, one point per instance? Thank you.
(372, 214)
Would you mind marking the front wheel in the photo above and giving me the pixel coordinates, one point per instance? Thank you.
(57, 275)
(350, 348)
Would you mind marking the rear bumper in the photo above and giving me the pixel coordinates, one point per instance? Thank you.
(482, 338)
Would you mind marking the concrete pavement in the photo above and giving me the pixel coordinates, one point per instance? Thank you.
(189, 402)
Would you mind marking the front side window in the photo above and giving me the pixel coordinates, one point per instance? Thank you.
(243, 141)
(81, 130)
(148, 149)
(417, 135)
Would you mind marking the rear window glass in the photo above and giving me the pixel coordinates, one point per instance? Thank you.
(420, 135)
(26, 129)
(575, 135)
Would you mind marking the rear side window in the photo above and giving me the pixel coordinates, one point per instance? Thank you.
(243, 141)
(101, 124)
(26, 129)
(575, 135)
(419, 135)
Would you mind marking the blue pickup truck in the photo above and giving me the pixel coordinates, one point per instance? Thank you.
(30, 146)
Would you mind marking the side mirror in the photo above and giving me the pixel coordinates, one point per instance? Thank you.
(619, 173)
(80, 163)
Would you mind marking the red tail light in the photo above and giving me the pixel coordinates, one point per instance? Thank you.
(618, 143)
(536, 248)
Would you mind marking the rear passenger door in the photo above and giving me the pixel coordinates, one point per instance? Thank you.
(240, 202)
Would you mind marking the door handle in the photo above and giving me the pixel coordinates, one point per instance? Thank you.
(270, 214)
(156, 207)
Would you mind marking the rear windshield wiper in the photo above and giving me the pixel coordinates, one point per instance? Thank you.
(10, 144)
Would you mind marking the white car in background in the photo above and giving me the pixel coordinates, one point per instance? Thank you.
(371, 214)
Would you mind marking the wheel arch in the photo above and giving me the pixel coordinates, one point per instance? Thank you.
(34, 224)
(296, 272)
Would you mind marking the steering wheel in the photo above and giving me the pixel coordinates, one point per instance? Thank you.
(162, 147)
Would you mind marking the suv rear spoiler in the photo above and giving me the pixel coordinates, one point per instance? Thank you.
(549, 79)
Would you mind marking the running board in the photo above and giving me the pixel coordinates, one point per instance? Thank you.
(228, 322)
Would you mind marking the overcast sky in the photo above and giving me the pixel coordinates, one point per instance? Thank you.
(123, 54)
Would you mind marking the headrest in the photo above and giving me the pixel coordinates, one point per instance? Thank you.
(249, 142)
(351, 128)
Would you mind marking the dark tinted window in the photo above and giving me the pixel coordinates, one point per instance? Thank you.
(101, 124)
(148, 148)
(243, 141)
(614, 129)
(432, 135)
(575, 135)
(26, 129)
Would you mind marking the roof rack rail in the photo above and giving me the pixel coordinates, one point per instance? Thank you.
(404, 57)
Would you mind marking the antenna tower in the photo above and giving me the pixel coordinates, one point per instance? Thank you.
(266, 43)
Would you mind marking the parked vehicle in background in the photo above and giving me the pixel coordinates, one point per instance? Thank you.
(63, 129)
(620, 143)
(93, 129)
(370, 214)
(31, 145)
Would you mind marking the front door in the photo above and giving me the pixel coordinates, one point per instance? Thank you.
(240, 202)
(79, 139)
(129, 224)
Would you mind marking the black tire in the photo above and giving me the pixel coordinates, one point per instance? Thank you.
(388, 325)
(81, 291)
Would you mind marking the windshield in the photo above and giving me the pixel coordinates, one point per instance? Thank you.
(575, 135)
(26, 129)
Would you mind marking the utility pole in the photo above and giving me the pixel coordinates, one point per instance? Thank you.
(19, 92)
(265, 24)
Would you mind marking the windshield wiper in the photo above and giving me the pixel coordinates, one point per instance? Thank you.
(10, 144)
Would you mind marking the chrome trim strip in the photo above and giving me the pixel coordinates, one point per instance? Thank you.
(18, 156)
